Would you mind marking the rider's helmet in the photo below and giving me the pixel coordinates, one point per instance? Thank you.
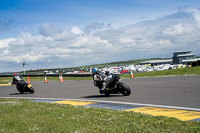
(14, 74)
(107, 73)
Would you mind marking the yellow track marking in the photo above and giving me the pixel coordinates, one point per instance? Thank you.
(182, 115)
(74, 103)
(5, 84)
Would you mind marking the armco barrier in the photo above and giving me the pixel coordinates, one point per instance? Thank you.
(48, 75)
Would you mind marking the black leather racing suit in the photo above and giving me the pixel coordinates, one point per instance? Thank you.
(101, 80)
(16, 78)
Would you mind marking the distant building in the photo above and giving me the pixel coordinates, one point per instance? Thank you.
(156, 62)
(186, 58)
(192, 62)
(182, 55)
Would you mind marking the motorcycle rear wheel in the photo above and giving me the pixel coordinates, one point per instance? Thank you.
(124, 89)
(31, 90)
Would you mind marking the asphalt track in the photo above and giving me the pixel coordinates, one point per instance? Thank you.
(179, 92)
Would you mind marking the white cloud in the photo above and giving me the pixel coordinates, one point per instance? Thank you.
(20, 58)
(165, 43)
(95, 27)
(6, 52)
(5, 42)
(62, 56)
(126, 40)
(195, 13)
(177, 29)
(92, 42)
(197, 17)
(76, 30)
(101, 43)
(49, 30)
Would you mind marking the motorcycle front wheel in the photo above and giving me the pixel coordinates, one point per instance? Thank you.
(124, 89)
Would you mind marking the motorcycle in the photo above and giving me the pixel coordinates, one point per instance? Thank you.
(115, 86)
(22, 86)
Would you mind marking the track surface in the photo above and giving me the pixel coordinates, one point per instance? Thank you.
(169, 91)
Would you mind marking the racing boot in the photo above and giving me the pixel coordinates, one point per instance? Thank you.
(100, 91)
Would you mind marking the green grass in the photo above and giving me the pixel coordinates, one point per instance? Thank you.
(24, 116)
(57, 78)
(5, 80)
(174, 72)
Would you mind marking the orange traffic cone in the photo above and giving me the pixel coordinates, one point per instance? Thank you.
(28, 80)
(60, 78)
(131, 74)
(45, 79)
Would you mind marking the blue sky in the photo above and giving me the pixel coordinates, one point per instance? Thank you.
(68, 33)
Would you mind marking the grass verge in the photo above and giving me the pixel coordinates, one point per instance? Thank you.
(5, 80)
(175, 72)
(24, 116)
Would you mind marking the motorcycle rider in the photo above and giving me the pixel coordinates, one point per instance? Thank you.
(16, 78)
(103, 78)
(21, 85)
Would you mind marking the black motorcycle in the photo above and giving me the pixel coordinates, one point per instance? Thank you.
(22, 86)
(113, 86)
